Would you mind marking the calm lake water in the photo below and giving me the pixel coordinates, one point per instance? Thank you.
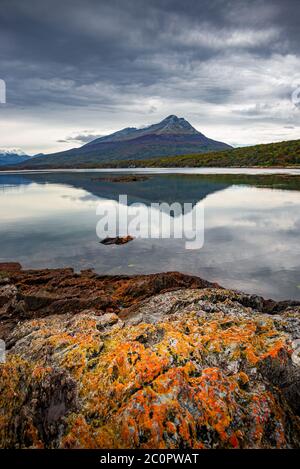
(252, 225)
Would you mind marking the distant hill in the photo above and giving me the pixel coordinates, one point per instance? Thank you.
(282, 154)
(11, 157)
(171, 136)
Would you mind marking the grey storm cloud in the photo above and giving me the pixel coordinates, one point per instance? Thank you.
(85, 137)
(59, 48)
(141, 57)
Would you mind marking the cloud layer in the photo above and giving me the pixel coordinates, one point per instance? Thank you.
(87, 67)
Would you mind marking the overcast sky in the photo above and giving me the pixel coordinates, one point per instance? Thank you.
(76, 69)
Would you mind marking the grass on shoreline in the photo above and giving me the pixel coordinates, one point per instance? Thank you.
(283, 154)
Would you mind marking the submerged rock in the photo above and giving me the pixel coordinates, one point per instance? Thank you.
(125, 178)
(170, 361)
(117, 240)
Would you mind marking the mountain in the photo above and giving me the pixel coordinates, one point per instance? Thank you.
(171, 136)
(172, 125)
(11, 157)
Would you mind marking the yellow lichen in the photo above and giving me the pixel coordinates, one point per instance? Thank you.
(159, 385)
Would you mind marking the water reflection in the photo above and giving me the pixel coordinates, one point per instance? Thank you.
(252, 227)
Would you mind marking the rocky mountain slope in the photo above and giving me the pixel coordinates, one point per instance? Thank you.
(171, 136)
(157, 361)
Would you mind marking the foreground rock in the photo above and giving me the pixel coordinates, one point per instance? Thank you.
(161, 361)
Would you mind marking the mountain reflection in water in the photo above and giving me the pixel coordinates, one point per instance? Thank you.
(252, 227)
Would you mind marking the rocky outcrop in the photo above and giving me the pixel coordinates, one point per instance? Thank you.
(159, 361)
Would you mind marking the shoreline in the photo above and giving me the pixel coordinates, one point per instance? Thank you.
(251, 170)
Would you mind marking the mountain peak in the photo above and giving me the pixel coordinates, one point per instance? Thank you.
(175, 120)
(12, 156)
(12, 151)
(171, 117)
(175, 125)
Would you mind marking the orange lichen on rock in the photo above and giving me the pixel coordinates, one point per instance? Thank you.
(184, 369)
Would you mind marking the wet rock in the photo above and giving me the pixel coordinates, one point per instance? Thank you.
(39, 293)
(10, 266)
